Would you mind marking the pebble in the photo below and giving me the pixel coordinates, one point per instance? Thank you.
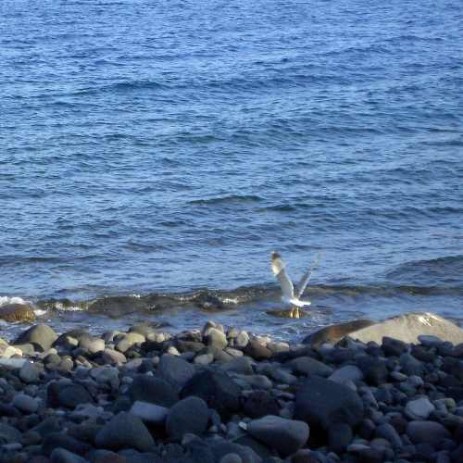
(224, 396)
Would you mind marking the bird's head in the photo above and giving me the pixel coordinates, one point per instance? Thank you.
(275, 255)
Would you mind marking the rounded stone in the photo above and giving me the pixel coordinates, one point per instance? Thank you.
(124, 431)
(190, 415)
(419, 409)
(25, 403)
(283, 435)
(430, 432)
(40, 335)
(175, 370)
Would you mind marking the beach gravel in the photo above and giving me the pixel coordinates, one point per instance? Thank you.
(191, 397)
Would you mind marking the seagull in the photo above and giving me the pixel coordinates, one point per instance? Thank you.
(290, 296)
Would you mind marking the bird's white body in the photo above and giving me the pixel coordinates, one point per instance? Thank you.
(289, 295)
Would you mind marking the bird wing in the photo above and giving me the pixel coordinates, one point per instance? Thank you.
(278, 269)
(306, 277)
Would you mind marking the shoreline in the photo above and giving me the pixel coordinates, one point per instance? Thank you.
(222, 395)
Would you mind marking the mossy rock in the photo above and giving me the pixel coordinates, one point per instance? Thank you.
(17, 313)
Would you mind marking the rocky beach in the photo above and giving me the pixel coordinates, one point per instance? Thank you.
(358, 392)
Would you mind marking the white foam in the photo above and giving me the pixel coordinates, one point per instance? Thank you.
(4, 300)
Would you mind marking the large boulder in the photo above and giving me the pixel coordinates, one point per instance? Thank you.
(17, 312)
(408, 327)
(322, 403)
(334, 333)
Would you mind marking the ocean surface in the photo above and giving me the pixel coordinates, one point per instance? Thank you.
(158, 151)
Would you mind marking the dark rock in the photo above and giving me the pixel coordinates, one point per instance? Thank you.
(175, 370)
(423, 354)
(17, 313)
(309, 366)
(374, 370)
(339, 437)
(124, 431)
(220, 448)
(218, 390)
(9, 434)
(189, 346)
(67, 394)
(283, 435)
(427, 431)
(60, 440)
(321, 402)
(199, 451)
(388, 432)
(393, 347)
(41, 336)
(60, 455)
(410, 365)
(190, 415)
(260, 403)
(155, 390)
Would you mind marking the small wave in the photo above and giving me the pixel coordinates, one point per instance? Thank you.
(210, 300)
(230, 199)
(442, 271)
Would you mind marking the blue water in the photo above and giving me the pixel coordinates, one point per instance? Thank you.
(162, 146)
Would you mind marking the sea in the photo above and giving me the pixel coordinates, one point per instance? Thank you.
(154, 153)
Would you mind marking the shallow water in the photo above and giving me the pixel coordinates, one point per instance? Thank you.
(166, 146)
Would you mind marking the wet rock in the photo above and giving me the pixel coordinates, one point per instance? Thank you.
(216, 388)
(321, 402)
(18, 312)
(41, 336)
(190, 415)
(283, 435)
(124, 431)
